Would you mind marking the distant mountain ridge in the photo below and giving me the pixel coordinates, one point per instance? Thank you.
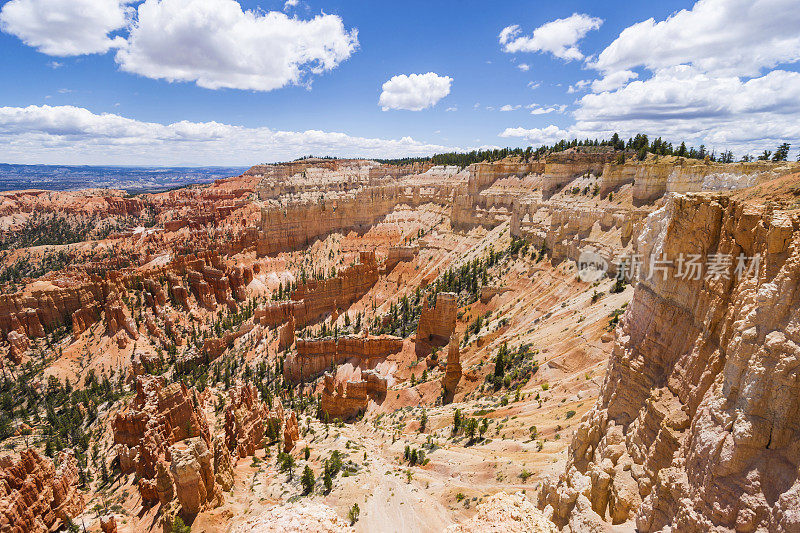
(132, 179)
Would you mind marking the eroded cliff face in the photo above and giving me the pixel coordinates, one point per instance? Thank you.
(348, 393)
(698, 423)
(314, 299)
(159, 416)
(436, 324)
(245, 416)
(35, 495)
(313, 357)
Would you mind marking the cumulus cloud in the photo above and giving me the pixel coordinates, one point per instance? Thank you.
(559, 37)
(579, 85)
(414, 92)
(683, 103)
(613, 80)
(535, 136)
(66, 27)
(539, 110)
(710, 74)
(67, 134)
(524, 67)
(218, 45)
(214, 43)
(727, 36)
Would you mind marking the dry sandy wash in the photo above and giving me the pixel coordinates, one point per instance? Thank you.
(343, 345)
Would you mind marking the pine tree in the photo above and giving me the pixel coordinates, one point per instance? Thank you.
(353, 514)
(782, 153)
(307, 480)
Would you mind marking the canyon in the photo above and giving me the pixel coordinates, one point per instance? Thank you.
(418, 339)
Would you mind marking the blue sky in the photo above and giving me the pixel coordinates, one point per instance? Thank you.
(90, 89)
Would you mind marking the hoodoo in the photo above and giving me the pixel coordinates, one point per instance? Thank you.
(589, 336)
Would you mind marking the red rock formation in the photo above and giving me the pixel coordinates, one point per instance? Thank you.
(436, 324)
(696, 426)
(286, 335)
(44, 310)
(245, 415)
(193, 475)
(35, 495)
(201, 289)
(18, 345)
(145, 363)
(345, 397)
(155, 291)
(158, 417)
(399, 254)
(321, 297)
(223, 469)
(84, 317)
(117, 318)
(291, 433)
(452, 373)
(213, 347)
(219, 285)
(315, 299)
(273, 314)
(313, 357)
(108, 524)
(239, 278)
(163, 485)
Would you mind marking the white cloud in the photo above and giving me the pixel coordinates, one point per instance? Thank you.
(66, 27)
(214, 43)
(524, 67)
(613, 80)
(726, 36)
(706, 75)
(452, 108)
(559, 37)
(685, 103)
(536, 136)
(290, 4)
(539, 110)
(218, 45)
(414, 92)
(580, 85)
(534, 84)
(509, 107)
(67, 134)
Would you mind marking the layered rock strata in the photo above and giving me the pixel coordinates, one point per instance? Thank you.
(245, 416)
(436, 324)
(314, 357)
(452, 373)
(159, 416)
(347, 394)
(35, 495)
(697, 427)
(315, 299)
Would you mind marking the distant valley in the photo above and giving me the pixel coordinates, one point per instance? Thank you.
(132, 179)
